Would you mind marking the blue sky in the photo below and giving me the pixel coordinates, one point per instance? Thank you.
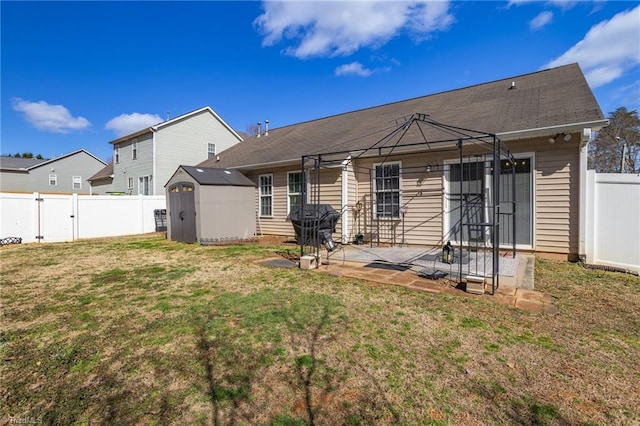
(79, 74)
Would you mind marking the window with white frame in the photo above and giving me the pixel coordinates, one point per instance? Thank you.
(144, 185)
(134, 149)
(76, 182)
(294, 191)
(387, 191)
(265, 185)
(116, 154)
(130, 183)
(211, 150)
(53, 180)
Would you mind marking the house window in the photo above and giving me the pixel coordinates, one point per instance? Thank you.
(134, 149)
(130, 183)
(386, 188)
(294, 191)
(77, 182)
(144, 185)
(53, 180)
(116, 154)
(265, 184)
(211, 150)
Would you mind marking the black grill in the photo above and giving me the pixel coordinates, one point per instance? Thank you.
(314, 224)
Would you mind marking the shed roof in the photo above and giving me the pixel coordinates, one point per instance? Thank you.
(217, 176)
(549, 99)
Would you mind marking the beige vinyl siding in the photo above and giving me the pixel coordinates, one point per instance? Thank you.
(279, 223)
(557, 198)
(421, 195)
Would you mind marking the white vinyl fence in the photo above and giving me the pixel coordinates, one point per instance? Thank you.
(51, 217)
(613, 220)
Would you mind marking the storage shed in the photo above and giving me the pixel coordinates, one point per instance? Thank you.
(210, 205)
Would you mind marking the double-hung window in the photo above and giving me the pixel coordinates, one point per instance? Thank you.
(387, 191)
(134, 149)
(116, 154)
(77, 182)
(294, 191)
(211, 150)
(144, 185)
(130, 183)
(265, 185)
(53, 180)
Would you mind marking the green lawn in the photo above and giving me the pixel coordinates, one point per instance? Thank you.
(142, 330)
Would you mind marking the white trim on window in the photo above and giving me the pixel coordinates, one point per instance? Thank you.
(130, 182)
(116, 154)
(391, 210)
(134, 149)
(211, 150)
(53, 180)
(265, 195)
(76, 182)
(144, 185)
(294, 193)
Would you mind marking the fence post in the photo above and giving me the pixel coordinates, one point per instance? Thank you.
(590, 216)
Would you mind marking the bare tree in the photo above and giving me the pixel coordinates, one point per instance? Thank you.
(252, 130)
(616, 148)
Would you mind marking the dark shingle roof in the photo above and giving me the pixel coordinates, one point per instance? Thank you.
(215, 176)
(554, 97)
(105, 173)
(15, 163)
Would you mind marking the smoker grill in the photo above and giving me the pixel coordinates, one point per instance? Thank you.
(314, 224)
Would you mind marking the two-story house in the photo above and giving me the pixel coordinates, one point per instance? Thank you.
(65, 174)
(145, 160)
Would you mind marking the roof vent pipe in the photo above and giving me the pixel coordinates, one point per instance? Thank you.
(513, 85)
(266, 127)
(259, 129)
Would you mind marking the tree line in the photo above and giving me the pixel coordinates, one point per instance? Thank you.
(27, 155)
(616, 148)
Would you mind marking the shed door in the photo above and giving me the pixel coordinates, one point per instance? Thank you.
(182, 205)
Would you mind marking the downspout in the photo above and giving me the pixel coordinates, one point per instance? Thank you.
(345, 200)
(582, 215)
(153, 159)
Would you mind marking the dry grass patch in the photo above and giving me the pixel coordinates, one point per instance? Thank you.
(142, 330)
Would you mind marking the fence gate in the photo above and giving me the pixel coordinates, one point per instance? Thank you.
(55, 218)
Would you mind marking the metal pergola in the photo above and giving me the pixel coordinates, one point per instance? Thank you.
(479, 213)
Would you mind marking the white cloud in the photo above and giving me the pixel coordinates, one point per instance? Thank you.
(49, 118)
(129, 123)
(609, 50)
(339, 28)
(541, 20)
(562, 4)
(354, 68)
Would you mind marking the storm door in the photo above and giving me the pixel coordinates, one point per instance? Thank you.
(468, 189)
(182, 206)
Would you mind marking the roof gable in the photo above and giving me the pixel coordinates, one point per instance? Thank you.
(13, 163)
(172, 121)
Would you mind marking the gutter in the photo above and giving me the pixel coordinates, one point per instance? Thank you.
(545, 131)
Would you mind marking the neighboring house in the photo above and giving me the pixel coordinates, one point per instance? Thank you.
(64, 174)
(145, 160)
(544, 118)
(102, 182)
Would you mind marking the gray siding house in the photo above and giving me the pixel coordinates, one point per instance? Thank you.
(66, 174)
(145, 160)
